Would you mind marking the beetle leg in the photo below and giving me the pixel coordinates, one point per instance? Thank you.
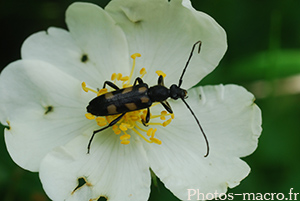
(112, 85)
(97, 131)
(147, 118)
(167, 106)
(161, 80)
(139, 80)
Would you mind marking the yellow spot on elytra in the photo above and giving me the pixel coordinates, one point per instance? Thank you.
(142, 89)
(108, 96)
(112, 109)
(131, 106)
(145, 99)
(126, 90)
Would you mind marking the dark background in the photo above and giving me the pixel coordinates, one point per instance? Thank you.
(263, 56)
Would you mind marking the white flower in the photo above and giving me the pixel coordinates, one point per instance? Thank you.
(44, 106)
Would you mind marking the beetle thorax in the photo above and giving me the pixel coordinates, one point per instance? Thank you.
(158, 93)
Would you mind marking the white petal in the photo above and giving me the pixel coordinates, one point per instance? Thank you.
(115, 171)
(98, 35)
(94, 34)
(232, 123)
(164, 33)
(57, 47)
(27, 90)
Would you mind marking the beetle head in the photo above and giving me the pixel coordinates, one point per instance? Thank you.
(176, 92)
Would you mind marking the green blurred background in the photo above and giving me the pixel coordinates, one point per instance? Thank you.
(263, 56)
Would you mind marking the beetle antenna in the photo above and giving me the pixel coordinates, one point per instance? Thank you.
(206, 141)
(188, 61)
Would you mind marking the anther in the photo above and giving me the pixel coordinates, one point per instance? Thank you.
(116, 129)
(163, 115)
(101, 121)
(126, 78)
(83, 85)
(167, 122)
(149, 132)
(155, 140)
(125, 142)
(89, 116)
(160, 73)
(119, 76)
(125, 137)
(114, 76)
(102, 91)
(135, 55)
(143, 72)
(124, 127)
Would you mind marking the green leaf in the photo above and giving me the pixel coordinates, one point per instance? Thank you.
(267, 65)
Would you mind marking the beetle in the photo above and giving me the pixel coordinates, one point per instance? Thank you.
(140, 96)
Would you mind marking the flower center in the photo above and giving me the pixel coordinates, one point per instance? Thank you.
(131, 121)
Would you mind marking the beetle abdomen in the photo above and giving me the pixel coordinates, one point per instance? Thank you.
(120, 101)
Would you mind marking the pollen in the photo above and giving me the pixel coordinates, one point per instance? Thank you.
(131, 125)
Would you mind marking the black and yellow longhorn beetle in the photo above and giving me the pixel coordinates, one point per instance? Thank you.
(137, 97)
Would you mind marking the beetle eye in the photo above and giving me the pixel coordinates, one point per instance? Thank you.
(184, 94)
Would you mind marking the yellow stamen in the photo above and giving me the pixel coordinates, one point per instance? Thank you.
(86, 89)
(133, 65)
(137, 132)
